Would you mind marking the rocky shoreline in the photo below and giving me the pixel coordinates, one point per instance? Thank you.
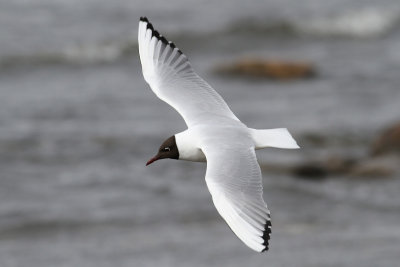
(268, 69)
(382, 160)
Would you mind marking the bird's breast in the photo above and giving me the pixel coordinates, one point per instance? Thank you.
(187, 143)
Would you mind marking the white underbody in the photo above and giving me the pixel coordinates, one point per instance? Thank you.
(188, 146)
(189, 141)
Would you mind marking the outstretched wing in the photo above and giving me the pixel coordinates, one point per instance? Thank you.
(168, 72)
(234, 179)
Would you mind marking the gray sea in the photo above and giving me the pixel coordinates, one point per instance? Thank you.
(78, 123)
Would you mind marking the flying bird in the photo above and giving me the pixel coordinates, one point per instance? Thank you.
(214, 135)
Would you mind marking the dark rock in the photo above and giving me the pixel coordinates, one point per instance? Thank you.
(279, 70)
(310, 171)
(388, 142)
(314, 139)
(323, 168)
(338, 165)
(383, 166)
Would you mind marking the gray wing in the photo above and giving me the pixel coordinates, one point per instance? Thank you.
(168, 72)
(234, 179)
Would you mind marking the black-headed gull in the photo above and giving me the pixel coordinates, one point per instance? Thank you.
(214, 135)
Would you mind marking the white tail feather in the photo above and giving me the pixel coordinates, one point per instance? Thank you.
(280, 138)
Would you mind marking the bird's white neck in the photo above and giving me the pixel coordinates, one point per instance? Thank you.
(187, 144)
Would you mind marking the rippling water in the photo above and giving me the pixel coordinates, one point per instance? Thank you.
(78, 123)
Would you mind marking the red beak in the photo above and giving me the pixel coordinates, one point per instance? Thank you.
(152, 160)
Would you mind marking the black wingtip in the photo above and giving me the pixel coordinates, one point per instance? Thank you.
(144, 19)
(150, 26)
(162, 39)
(171, 44)
(266, 235)
(158, 35)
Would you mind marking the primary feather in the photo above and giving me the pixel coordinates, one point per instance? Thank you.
(171, 77)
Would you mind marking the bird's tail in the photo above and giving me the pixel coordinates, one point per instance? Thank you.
(280, 138)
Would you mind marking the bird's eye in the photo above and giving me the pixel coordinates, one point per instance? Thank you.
(167, 149)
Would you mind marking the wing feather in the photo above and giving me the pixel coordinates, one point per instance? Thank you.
(169, 73)
(234, 182)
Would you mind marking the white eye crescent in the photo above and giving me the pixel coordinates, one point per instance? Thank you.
(167, 149)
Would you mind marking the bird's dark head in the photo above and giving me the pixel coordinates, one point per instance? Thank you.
(168, 149)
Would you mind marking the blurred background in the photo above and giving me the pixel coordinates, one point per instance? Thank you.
(78, 123)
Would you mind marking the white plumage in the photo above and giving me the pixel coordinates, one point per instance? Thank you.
(214, 133)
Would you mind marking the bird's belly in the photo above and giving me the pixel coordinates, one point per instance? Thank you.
(188, 148)
(190, 141)
(195, 154)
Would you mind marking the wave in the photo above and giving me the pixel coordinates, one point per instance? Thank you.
(83, 54)
(367, 22)
(363, 23)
